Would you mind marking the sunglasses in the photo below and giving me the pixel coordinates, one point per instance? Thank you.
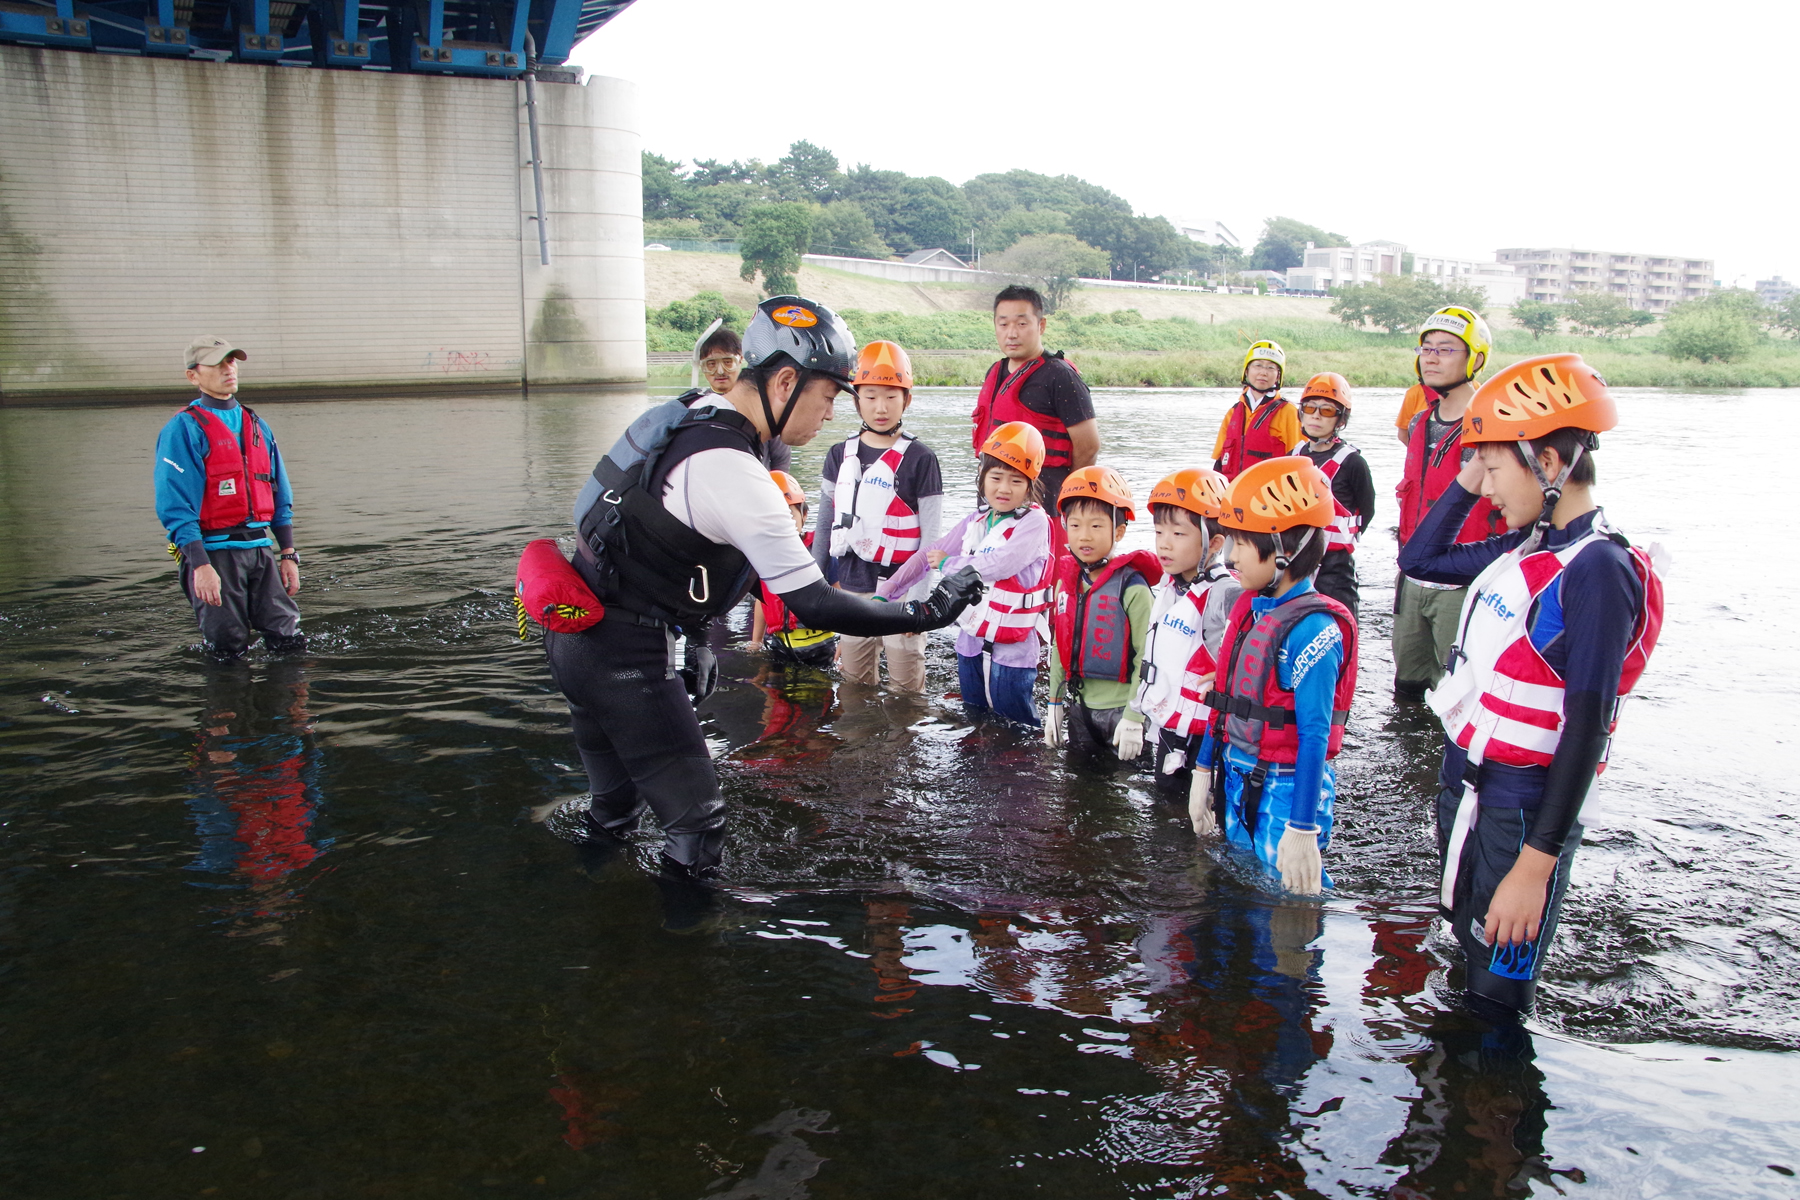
(1320, 408)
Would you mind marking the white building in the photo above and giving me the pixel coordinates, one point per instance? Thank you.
(1211, 233)
(1323, 268)
(1644, 281)
(1774, 291)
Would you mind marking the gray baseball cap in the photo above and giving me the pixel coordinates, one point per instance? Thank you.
(209, 351)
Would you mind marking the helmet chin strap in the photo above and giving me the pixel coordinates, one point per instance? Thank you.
(1553, 491)
(801, 379)
(868, 428)
(1265, 393)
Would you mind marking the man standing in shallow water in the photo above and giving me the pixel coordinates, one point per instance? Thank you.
(1042, 390)
(221, 492)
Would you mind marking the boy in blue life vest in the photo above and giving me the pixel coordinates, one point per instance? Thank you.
(1286, 676)
(1100, 618)
(881, 503)
(1561, 616)
(222, 494)
(773, 626)
(1187, 620)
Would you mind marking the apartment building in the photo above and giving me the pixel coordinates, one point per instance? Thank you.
(1324, 268)
(1645, 281)
(1773, 291)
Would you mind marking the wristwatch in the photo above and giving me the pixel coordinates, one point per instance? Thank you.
(292, 556)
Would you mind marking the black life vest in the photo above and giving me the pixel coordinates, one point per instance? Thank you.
(632, 551)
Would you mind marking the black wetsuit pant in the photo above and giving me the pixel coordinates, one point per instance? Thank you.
(639, 739)
(1174, 787)
(1337, 579)
(1090, 730)
(252, 601)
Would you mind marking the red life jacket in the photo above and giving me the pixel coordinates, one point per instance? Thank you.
(1345, 530)
(779, 619)
(1257, 712)
(1501, 701)
(1429, 471)
(240, 478)
(1250, 436)
(1008, 610)
(1091, 627)
(999, 403)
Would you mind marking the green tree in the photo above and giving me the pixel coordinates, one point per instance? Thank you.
(1536, 317)
(1785, 316)
(774, 238)
(842, 227)
(696, 313)
(992, 196)
(1209, 259)
(1283, 243)
(1050, 262)
(1018, 223)
(1599, 313)
(1397, 303)
(910, 213)
(1718, 328)
(1136, 247)
(807, 172)
(666, 192)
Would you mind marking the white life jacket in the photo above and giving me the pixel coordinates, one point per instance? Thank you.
(1175, 634)
(1010, 610)
(872, 522)
(1345, 530)
(1501, 701)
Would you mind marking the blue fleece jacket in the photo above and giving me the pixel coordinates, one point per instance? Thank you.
(180, 475)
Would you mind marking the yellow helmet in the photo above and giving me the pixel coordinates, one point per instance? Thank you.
(1269, 352)
(1468, 327)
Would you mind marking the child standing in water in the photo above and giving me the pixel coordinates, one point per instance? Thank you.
(1560, 619)
(1324, 411)
(1259, 425)
(1101, 610)
(882, 499)
(772, 626)
(1287, 674)
(1007, 540)
(1187, 616)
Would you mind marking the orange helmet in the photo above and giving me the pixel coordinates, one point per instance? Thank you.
(1329, 385)
(1200, 490)
(1018, 445)
(1537, 396)
(1279, 494)
(884, 364)
(1098, 483)
(791, 491)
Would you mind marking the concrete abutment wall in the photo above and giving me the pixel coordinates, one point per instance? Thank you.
(354, 231)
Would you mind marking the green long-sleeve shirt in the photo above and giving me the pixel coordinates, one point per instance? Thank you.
(1106, 693)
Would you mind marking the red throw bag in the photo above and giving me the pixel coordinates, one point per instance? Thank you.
(551, 593)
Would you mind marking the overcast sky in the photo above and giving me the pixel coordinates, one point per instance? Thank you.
(1455, 128)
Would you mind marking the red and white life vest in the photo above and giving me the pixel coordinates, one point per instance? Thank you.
(1250, 435)
(873, 522)
(1091, 629)
(240, 478)
(1345, 530)
(1010, 609)
(1169, 648)
(1257, 712)
(1191, 711)
(1501, 702)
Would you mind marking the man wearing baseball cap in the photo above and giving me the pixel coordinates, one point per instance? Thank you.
(222, 494)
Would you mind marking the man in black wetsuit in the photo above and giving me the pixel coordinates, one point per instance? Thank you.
(678, 522)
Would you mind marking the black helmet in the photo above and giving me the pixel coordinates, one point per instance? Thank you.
(810, 335)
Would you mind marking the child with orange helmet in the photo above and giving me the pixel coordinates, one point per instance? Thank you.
(1560, 619)
(1324, 411)
(1188, 612)
(1287, 674)
(882, 501)
(773, 625)
(1100, 618)
(1007, 540)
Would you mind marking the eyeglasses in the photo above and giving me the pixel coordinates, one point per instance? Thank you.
(715, 365)
(1440, 351)
(1321, 408)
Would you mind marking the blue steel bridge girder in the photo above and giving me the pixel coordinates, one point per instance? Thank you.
(450, 37)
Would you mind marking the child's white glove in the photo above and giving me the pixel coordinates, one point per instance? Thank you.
(1297, 859)
(1128, 739)
(1053, 724)
(1174, 761)
(1200, 809)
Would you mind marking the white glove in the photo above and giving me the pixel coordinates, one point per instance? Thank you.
(1297, 859)
(1200, 809)
(1128, 739)
(1053, 724)
(1174, 761)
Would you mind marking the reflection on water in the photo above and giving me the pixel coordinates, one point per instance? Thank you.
(300, 913)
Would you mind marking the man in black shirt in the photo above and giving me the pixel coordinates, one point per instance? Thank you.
(1043, 390)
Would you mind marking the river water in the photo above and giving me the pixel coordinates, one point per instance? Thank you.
(292, 928)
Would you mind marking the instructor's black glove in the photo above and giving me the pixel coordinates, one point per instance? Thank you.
(947, 600)
(700, 671)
